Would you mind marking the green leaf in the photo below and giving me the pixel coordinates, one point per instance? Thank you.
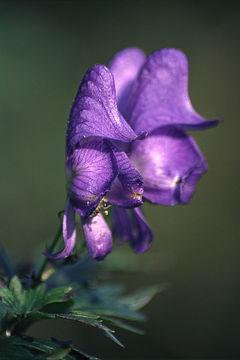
(95, 322)
(109, 333)
(142, 297)
(58, 294)
(14, 297)
(33, 299)
(22, 302)
(9, 299)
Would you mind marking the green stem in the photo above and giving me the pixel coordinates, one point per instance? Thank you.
(50, 250)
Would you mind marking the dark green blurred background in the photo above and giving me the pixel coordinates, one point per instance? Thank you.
(45, 48)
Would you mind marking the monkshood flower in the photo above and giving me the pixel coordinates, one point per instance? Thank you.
(107, 148)
(99, 172)
(152, 95)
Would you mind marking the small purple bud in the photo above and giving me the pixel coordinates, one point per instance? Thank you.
(98, 237)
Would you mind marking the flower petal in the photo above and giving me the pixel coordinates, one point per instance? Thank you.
(120, 196)
(160, 94)
(94, 111)
(69, 233)
(98, 237)
(170, 163)
(131, 226)
(127, 189)
(125, 67)
(122, 226)
(144, 236)
(91, 170)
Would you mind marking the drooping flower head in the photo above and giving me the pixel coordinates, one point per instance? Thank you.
(156, 100)
(111, 161)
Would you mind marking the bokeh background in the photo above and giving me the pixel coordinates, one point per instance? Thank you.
(45, 49)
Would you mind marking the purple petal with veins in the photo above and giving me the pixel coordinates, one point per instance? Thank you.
(94, 111)
(91, 170)
(160, 95)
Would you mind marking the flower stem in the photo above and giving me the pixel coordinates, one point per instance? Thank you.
(40, 276)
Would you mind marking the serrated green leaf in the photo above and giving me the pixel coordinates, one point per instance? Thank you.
(34, 299)
(23, 302)
(142, 297)
(19, 301)
(9, 299)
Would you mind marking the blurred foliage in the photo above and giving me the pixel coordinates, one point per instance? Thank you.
(27, 300)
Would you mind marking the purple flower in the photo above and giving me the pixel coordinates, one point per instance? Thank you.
(99, 172)
(153, 96)
(107, 149)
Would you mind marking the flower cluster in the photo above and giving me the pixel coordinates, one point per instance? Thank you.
(127, 141)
